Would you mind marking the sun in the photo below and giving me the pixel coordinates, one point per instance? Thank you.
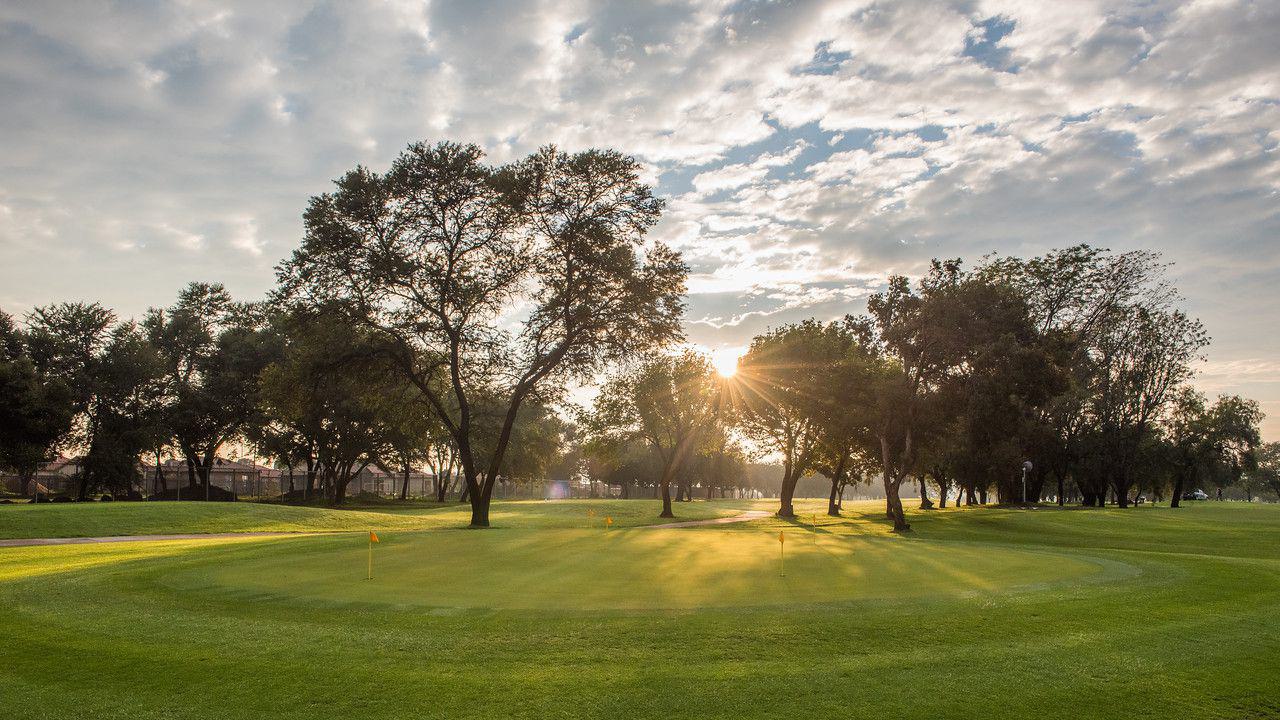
(725, 360)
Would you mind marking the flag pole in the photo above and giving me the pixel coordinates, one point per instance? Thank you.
(369, 575)
(782, 554)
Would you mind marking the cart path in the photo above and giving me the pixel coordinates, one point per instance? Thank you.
(744, 517)
(29, 542)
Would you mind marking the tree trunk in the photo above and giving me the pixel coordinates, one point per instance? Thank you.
(479, 503)
(925, 502)
(666, 495)
(896, 513)
(837, 486)
(404, 489)
(160, 483)
(789, 480)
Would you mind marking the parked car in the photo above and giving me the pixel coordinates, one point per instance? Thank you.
(1195, 495)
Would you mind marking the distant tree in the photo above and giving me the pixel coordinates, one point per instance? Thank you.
(213, 351)
(719, 465)
(437, 254)
(669, 402)
(1099, 313)
(1143, 356)
(845, 407)
(68, 341)
(1267, 473)
(125, 420)
(36, 408)
(626, 464)
(410, 433)
(922, 337)
(785, 384)
(1217, 443)
(538, 439)
(333, 398)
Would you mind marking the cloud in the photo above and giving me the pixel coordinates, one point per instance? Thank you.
(807, 148)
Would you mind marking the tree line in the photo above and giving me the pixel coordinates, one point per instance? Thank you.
(446, 298)
(1065, 375)
(440, 312)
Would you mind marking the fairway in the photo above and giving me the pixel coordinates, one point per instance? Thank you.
(989, 612)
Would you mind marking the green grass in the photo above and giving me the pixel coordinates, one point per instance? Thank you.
(165, 518)
(982, 612)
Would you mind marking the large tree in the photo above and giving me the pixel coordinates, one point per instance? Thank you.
(331, 400)
(1144, 354)
(36, 407)
(506, 282)
(670, 402)
(1267, 473)
(1215, 442)
(212, 351)
(1083, 301)
(784, 399)
(125, 420)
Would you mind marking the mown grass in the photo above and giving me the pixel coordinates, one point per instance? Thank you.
(979, 613)
(163, 518)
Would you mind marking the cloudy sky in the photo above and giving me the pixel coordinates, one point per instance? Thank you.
(807, 149)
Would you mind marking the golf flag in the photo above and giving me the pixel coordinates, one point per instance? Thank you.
(373, 537)
(608, 521)
(781, 537)
(782, 553)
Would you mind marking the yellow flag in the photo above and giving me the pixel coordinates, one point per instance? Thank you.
(781, 537)
(608, 521)
(373, 537)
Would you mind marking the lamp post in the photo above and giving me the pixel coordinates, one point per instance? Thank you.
(1026, 467)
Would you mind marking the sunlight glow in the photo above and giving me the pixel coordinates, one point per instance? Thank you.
(725, 360)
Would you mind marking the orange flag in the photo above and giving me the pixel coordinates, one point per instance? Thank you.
(373, 537)
(781, 537)
(608, 521)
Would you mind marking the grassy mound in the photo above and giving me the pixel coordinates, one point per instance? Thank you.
(573, 570)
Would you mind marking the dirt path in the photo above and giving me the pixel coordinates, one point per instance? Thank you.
(744, 517)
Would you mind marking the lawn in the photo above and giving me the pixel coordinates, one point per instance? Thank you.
(94, 519)
(981, 612)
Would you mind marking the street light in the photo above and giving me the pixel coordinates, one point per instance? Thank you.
(1026, 468)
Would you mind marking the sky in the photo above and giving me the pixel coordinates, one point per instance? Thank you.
(807, 150)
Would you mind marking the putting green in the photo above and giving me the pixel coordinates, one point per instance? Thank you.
(574, 569)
